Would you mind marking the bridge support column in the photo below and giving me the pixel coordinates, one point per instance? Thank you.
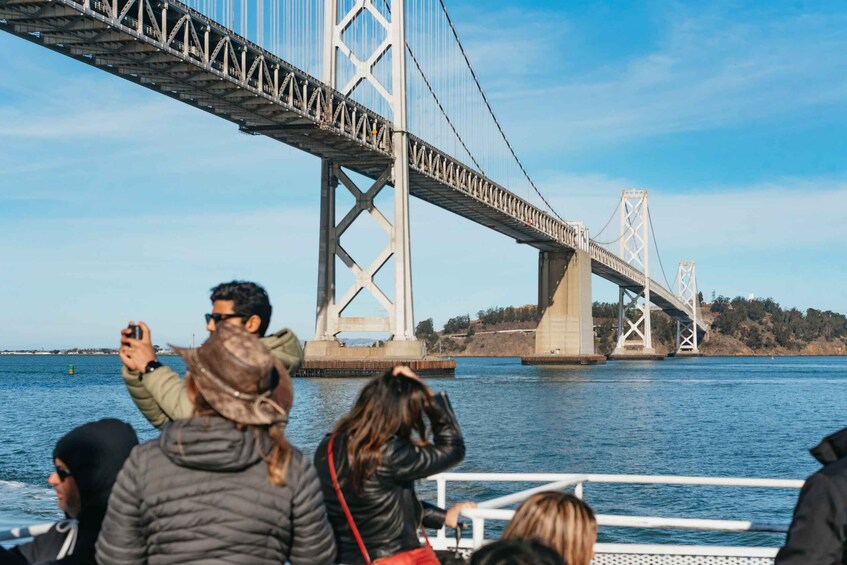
(687, 334)
(635, 339)
(565, 333)
(325, 355)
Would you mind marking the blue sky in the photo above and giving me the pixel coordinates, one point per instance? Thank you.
(117, 203)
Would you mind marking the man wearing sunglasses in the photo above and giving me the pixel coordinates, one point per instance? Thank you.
(158, 390)
(86, 463)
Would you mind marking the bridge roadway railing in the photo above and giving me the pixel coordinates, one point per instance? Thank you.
(175, 50)
(146, 41)
(500, 209)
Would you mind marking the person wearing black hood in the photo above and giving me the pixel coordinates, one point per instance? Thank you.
(87, 461)
(818, 532)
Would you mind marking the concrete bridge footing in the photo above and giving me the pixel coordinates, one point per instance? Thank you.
(640, 354)
(330, 358)
(565, 333)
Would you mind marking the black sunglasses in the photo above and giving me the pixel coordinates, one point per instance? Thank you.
(63, 473)
(218, 318)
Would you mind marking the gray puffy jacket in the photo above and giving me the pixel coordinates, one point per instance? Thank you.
(200, 494)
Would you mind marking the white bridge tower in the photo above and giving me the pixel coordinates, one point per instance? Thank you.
(634, 333)
(686, 331)
(342, 48)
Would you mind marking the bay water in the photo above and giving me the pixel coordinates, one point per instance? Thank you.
(732, 417)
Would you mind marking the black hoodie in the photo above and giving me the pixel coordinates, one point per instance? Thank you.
(93, 453)
(818, 533)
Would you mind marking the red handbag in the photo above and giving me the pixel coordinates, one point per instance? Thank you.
(421, 556)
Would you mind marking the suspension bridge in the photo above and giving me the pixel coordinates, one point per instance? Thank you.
(383, 89)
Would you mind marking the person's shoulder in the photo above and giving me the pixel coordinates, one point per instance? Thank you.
(299, 461)
(835, 472)
(397, 449)
(143, 453)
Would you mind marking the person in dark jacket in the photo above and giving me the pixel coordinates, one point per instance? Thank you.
(223, 486)
(87, 461)
(380, 448)
(517, 552)
(818, 532)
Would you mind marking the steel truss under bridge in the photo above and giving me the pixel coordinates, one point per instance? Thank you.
(177, 51)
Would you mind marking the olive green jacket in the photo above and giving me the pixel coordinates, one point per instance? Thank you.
(160, 394)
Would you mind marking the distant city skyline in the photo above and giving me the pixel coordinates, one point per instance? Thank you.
(117, 203)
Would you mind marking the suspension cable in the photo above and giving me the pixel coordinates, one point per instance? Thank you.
(484, 98)
(491, 110)
(608, 223)
(443, 111)
(656, 247)
(437, 101)
(608, 242)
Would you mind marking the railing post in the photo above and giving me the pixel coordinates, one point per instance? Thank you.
(478, 525)
(441, 501)
(577, 491)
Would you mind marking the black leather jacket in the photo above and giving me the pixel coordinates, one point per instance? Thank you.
(388, 513)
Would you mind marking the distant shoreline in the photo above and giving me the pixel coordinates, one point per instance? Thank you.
(75, 352)
(516, 355)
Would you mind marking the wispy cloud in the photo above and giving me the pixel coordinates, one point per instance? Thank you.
(711, 68)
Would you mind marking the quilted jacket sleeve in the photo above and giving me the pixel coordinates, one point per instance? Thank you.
(409, 462)
(143, 399)
(121, 538)
(312, 540)
(167, 389)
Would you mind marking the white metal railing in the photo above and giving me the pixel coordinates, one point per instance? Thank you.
(494, 509)
(24, 532)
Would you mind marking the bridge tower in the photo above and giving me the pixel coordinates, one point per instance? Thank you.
(686, 331)
(398, 321)
(635, 339)
(565, 332)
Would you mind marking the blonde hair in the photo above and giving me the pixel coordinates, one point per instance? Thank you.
(559, 520)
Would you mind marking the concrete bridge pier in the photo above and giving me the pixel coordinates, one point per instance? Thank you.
(565, 333)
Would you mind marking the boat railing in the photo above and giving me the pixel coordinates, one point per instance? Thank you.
(24, 532)
(620, 553)
(495, 509)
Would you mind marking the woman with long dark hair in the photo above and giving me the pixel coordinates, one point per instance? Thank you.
(379, 449)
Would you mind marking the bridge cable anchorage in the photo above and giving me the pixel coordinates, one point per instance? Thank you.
(437, 101)
(491, 111)
(612, 217)
(656, 247)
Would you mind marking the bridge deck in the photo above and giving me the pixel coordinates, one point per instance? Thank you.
(176, 51)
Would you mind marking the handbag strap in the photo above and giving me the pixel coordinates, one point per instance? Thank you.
(359, 541)
(337, 487)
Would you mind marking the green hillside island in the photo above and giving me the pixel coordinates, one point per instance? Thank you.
(739, 326)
